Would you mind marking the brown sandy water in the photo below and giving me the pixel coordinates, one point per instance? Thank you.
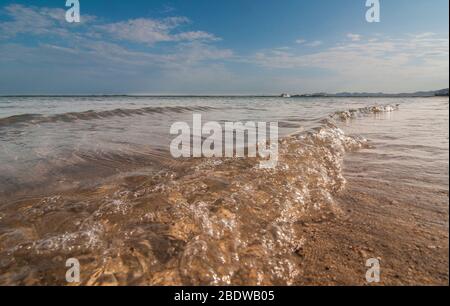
(146, 219)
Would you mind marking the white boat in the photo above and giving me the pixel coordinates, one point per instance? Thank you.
(285, 95)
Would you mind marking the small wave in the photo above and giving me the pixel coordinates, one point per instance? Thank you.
(32, 119)
(289, 125)
(355, 113)
(19, 119)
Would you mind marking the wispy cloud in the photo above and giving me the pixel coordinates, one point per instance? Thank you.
(190, 46)
(154, 54)
(99, 54)
(36, 21)
(424, 35)
(315, 43)
(151, 31)
(421, 60)
(354, 37)
(51, 21)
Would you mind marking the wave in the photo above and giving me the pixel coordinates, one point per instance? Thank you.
(32, 119)
(208, 222)
(355, 113)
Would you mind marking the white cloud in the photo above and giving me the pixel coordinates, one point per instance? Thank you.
(51, 21)
(413, 62)
(30, 20)
(37, 21)
(315, 43)
(102, 67)
(94, 58)
(151, 31)
(190, 47)
(424, 35)
(82, 55)
(195, 35)
(354, 37)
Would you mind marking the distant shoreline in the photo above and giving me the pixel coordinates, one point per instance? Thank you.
(219, 96)
(420, 94)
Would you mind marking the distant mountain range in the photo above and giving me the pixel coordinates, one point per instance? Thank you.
(440, 93)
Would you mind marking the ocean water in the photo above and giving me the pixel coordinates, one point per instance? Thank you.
(92, 178)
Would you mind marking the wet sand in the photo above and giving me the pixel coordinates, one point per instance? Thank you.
(404, 226)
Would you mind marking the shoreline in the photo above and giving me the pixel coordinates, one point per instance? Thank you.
(387, 96)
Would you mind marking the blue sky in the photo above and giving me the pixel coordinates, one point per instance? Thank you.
(222, 47)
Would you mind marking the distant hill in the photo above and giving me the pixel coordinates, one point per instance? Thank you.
(441, 93)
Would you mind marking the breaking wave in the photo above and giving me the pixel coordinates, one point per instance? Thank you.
(355, 113)
(206, 222)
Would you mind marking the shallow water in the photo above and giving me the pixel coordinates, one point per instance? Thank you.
(91, 178)
(60, 142)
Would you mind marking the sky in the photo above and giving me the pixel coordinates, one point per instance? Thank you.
(204, 47)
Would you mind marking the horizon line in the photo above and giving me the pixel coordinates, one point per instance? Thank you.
(317, 94)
